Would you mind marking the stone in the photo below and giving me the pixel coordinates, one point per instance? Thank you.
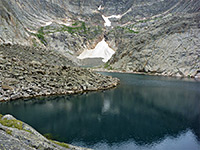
(24, 136)
(35, 63)
(6, 87)
(8, 117)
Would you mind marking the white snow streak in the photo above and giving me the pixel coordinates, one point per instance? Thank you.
(99, 7)
(102, 50)
(107, 21)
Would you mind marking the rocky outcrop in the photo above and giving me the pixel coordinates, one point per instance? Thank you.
(26, 72)
(69, 27)
(151, 36)
(165, 46)
(16, 135)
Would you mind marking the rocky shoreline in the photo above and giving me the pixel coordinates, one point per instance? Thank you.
(196, 77)
(17, 135)
(29, 72)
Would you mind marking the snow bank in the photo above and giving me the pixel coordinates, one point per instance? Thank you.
(102, 50)
(107, 21)
(99, 7)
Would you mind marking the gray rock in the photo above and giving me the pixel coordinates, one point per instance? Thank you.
(23, 136)
(8, 117)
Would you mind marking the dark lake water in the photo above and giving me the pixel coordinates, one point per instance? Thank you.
(142, 113)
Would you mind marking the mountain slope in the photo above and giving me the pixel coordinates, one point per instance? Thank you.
(151, 36)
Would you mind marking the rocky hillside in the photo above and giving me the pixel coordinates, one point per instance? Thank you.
(17, 135)
(151, 36)
(29, 72)
(163, 44)
(167, 46)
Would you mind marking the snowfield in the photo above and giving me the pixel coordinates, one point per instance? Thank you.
(102, 50)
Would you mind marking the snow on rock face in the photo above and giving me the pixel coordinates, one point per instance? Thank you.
(102, 50)
(100, 7)
(107, 21)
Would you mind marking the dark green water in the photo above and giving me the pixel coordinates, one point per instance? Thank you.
(143, 113)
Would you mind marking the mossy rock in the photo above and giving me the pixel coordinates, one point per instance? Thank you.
(60, 144)
(11, 123)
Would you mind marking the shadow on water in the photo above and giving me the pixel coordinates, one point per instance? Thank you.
(144, 112)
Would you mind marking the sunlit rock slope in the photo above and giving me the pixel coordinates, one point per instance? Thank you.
(151, 36)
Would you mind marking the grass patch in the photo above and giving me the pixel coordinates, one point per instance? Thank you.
(48, 136)
(8, 131)
(107, 66)
(60, 144)
(127, 29)
(131, 31)
(13, 124)
(77, 27)
(40, 36)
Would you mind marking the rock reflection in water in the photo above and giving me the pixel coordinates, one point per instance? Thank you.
(144, 112)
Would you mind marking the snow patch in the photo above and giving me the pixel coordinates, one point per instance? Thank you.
(107, 21)
(100, 7)
(102, 50)
(62, 23)
(48, 23)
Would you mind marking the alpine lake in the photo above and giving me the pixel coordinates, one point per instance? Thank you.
(142, 113)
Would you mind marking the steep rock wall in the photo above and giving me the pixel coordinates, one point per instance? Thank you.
(154, 36)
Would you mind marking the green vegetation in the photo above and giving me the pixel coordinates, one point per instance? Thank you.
(40, 36)
(107, 66)
(34, 43)
(78, 27)
(127, 29)
(60, 144)
(131, 31)
(8, 131)
(13, 124)
(48, 136)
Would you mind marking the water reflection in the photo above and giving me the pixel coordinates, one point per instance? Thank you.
(144, 112)
(185, 141)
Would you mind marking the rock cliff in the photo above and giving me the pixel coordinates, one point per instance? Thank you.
(166, 46)
(151, 36)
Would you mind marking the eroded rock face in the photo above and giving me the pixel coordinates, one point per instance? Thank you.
(168, 46)
(152, 36)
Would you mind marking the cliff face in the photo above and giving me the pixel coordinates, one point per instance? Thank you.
(168, 46)
(156, 36)
(164, 44)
